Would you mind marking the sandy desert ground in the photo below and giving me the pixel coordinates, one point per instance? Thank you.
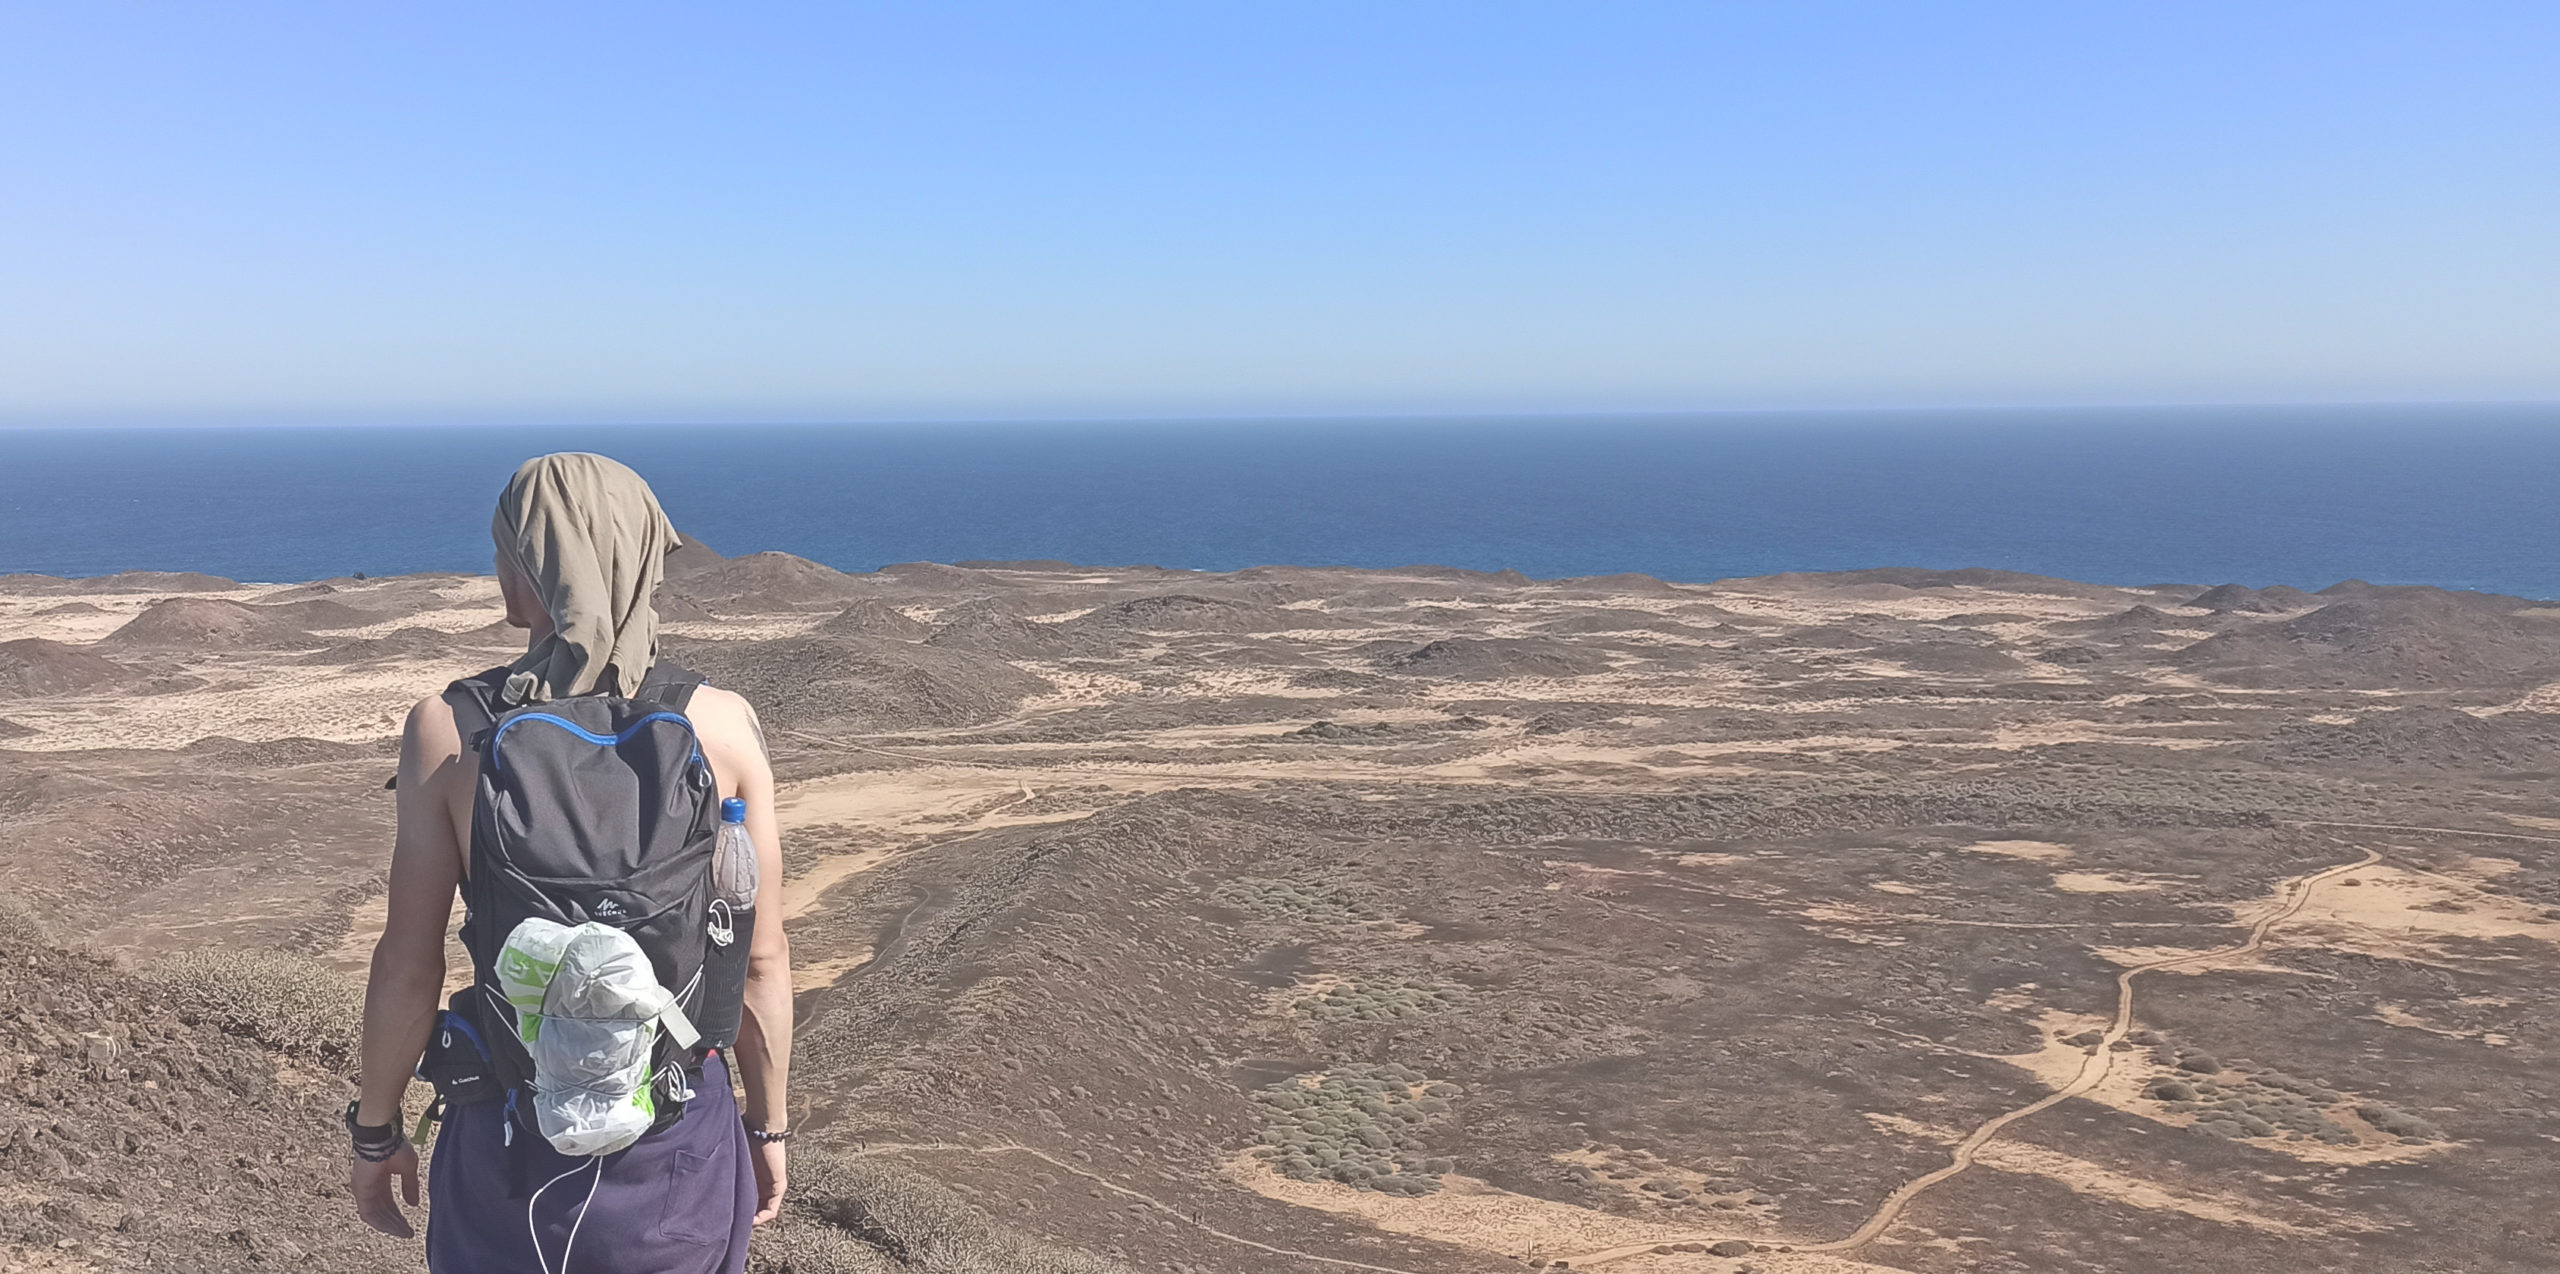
(1415, 921)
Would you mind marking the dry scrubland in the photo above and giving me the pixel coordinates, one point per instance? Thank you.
(1414, 921)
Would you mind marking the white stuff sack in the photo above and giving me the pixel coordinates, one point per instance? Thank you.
(588, 1008)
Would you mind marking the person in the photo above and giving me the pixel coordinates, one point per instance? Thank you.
(581, 540)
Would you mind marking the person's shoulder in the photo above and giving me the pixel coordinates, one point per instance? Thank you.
(430, 735)
(724, 716)
(431, 715)
(715, 701)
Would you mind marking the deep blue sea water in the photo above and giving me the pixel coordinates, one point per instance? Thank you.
(2459, 496)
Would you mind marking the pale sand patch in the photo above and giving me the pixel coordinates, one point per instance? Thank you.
(2096, 1181)
(1709, 860)
(1073, 688)
(2012, 738)
(1895, 887)
(800, 894)
(340, 705)
(1473, 1213)
(2398, 913)
(817, 975)
(2129, 957)
(2542, 698)
(2084, 882)
(761, 628)
(2399, 1015)
(2535, 821)
(2043, 851)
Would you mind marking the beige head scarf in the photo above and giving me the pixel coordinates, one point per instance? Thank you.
(589, 534)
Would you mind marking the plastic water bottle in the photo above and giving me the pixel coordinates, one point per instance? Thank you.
(733, 861)
(732, 926)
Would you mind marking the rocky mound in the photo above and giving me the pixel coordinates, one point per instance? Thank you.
(872, 617)
(137, 1135)
(2224, 599)
(762, 584)
(321, 613)
(2380, 639)
(2139, 621)
(207, 623)
(1485, 658)
(871, 683)
(1189, 613)
(2427, 738)
(689, 558)
(187, 1119)
(31, 667)
(74, 608)
(991, 628)
(403, 643)
(1946, 657)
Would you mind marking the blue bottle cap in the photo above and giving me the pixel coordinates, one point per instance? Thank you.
(733, 810)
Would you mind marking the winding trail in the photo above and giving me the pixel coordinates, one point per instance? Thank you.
(2093, 1071)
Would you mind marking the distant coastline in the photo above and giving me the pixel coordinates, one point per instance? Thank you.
(2307, 497)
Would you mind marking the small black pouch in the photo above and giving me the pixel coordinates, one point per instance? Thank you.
(457, 1059)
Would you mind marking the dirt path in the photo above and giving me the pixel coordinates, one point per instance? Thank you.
(2093, 1071)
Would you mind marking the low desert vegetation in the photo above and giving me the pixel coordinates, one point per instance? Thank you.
(1291, 902)
(2274, 1104)
(1381, 1002)
(2399, 1123)
(287, 1002)
(1361, 1126)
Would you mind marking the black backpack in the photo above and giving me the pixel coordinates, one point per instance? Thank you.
(598, 808)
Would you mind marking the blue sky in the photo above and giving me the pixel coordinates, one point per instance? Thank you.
(775, 212)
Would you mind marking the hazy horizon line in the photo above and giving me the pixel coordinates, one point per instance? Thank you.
(490, 420)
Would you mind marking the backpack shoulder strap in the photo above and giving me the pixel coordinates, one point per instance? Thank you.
(476, 703)
(669, 685)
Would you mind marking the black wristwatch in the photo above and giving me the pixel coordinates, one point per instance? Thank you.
(762, 1137)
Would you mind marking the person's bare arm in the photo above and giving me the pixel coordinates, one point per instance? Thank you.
(408, 963)
(734, 740)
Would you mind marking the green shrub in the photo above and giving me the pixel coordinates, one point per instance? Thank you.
(1327, 903)
(1360, 1125)
(1381, 1002)
(287, 1002)
(2397, 1122)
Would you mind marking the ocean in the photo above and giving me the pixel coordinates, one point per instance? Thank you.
(2465, 497)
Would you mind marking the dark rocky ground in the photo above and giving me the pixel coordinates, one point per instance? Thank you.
(1427, 921)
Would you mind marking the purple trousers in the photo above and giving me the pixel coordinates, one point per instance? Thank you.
(678, 1201)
